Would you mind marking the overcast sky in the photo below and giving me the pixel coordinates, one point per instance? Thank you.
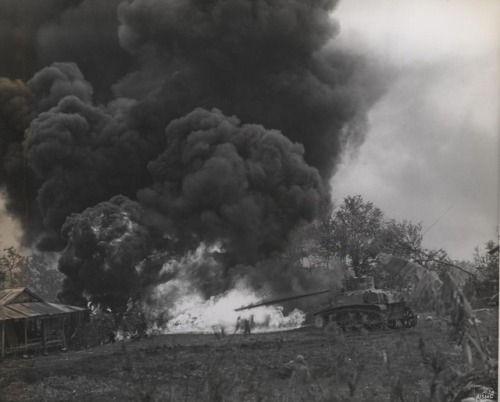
(432, 151)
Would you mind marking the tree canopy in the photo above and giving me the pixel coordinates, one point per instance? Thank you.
(356, 231)
(36, 271)
(482, 289)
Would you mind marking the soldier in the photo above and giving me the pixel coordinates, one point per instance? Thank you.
(111, 337)
(301, 373)
(301, 379)
(238, 324)
(245, 324)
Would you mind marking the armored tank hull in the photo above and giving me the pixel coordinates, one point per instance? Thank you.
(363, 306)
(370, 317)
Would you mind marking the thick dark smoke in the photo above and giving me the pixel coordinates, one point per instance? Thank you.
(241, 185)
(221, 121)
(37, 33)
(83, 153)
(34, 35)
(20, 21)
(105, 246)
(265, 62)
(87, 35)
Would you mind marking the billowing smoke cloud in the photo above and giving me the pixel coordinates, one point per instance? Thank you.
(53, 83)
(86, 34)
(34, 35)
(265, 62)
(83, 153)
(241, 185)
(38, 33)
(20, 21)
(222, 121)
(105, 245)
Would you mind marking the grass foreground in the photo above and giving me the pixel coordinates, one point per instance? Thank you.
(417, 364)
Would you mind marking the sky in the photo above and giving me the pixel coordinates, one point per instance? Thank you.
(432, 150)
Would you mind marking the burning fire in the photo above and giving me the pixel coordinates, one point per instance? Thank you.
(191, 313)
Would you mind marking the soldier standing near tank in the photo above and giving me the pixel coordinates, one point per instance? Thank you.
(245, 324)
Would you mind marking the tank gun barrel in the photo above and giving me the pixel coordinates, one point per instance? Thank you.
(274, 301)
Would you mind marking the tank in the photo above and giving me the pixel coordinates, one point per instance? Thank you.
(359, 305)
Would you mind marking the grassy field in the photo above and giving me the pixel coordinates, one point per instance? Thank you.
(386, 365)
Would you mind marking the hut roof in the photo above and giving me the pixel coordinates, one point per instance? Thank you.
(8, 296)
(23, 303)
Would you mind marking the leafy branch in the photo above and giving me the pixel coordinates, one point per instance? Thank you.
(445, 297)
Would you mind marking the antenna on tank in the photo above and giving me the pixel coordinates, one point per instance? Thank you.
(438, 219)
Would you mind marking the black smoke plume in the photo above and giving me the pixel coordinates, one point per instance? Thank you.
(266, 62)
(83, 153)
(106, 253)
(241, 185)
(222, 121)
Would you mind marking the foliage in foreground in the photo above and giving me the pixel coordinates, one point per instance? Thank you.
(446, 298)
(482, 289)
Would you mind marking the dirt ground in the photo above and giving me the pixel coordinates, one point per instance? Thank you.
(377, 366)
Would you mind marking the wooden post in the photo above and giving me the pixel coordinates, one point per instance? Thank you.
(63, 333)
(3, 338)
(26, 335)
(79, 327)
(2, 310)
(44, 324)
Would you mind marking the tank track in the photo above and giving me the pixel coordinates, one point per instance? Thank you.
(371, 318)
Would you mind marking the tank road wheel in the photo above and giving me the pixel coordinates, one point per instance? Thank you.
(409, 319)
(355, 321)
(372, 321)
(319, 321)
(392, 324)
(350, 322)
(342, 320)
